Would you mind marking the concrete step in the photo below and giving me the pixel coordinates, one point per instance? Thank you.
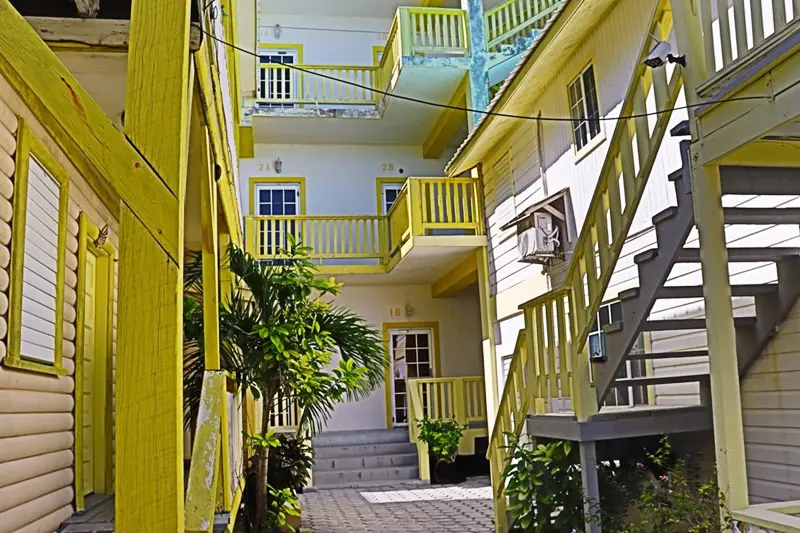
(359, 437)
(362, 450)
(364, 462)
(357, 478)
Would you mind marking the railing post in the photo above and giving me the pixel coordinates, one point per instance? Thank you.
(414, 207)
(404, 34)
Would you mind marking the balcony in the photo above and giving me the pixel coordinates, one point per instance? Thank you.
(426, 56)
(434, 224)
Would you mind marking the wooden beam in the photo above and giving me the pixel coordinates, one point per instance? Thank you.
(62, 33)
(765, 153)
(150, 472)
(459, 278)
(448, 124)
(100, 152)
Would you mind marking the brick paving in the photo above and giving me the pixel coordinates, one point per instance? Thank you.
(465, 508)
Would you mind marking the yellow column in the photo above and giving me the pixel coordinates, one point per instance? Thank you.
(726, 400)
(149, 474)
(487, 336)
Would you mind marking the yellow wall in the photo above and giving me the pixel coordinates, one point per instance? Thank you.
(36, 410)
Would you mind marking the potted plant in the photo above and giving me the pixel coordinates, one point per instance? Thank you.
(443, 438)
(290, 463)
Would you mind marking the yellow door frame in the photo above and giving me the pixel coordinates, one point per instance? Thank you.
(437, 360)
(88, 243)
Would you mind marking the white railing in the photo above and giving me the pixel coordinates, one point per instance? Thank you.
(744, 26)
(516, 18)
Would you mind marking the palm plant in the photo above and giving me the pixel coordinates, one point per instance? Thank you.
(277, 336)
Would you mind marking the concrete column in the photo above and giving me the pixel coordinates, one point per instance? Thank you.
(478, 93)
(726, 400)
(591, 487)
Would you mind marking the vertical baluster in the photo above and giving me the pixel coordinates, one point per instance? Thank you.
(779, 14)
(708, 35)
(439, 201)
(741, 27)
(562, 346)
(551, 349)
(353, 225)
(539, 353)
(438, 39)
(434, 392)
(444, 192)
(641, 124)
(602, 235)
(628, 169)
(725, 30)
(757, 16)
(429, 42)
(452, 22)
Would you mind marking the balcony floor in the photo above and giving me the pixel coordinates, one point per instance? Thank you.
(395, 121)
(98, 516)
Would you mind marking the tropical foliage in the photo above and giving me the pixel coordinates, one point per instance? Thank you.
(442, 437)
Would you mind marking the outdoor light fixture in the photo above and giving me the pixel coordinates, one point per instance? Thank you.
(661, 54)
(278, 164)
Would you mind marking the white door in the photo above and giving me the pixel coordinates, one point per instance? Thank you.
(277, 83)
(412, 357)
(276, 200)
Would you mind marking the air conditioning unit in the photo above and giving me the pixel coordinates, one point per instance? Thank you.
(541, 241)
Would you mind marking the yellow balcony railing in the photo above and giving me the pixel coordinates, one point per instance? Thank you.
(414, 31)
(742, 31)
(461, 399)
(516, 18)
(423, 207)
(285, 414)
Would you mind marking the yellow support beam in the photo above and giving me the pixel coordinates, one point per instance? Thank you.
(773, 153)
(458, 279)
(448, 124)
(149, 480)
(100, 152)
(432, 3)
(246, 147)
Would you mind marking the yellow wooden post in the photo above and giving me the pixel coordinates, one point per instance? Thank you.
(487, 335)
(726, 399)
(404, 33)
(149, 474)
(415, 207)
(226, 281)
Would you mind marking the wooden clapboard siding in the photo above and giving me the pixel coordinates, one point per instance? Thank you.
(771, 414)
(37, 433)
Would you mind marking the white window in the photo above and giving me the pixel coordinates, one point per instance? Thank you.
(606, 315)
(412, 357)
(276, 83)
(389, 194)
(277, 199)
(584, 108)
(40, 266)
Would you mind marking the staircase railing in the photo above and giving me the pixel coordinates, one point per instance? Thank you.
(216, 472)
(516, 18)
(551, 360)
(462, 399)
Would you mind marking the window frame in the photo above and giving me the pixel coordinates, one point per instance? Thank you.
(380, 186)
(28, 145)
(256, 181)
(592, 141)
(295, 84)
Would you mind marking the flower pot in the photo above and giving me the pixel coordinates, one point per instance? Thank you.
(443, 473)
(294, 522)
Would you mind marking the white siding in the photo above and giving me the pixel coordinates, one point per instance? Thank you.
(40, 264)
(771, 414)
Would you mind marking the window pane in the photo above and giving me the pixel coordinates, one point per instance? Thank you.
(289, 195)
(290, 209)
(604, 316)
(616, 312)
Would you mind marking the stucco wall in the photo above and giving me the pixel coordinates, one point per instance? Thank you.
(459, 337)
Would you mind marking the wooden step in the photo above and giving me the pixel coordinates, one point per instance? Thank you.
(691, 323)
(762, 215)
(684, 291)
(742, 255)
(666, 214)
(644, 257)
(667, 355)
(681, 129)
(660, 380)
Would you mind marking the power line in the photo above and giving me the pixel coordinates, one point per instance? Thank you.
(481, 111)
(282, 27)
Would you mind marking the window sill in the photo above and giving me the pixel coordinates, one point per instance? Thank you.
(31, 366)
(590, 147)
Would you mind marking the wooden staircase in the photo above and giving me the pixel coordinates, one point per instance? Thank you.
(773, 301)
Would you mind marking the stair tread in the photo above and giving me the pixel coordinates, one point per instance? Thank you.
(371, 469)
(666, 214)
(753, 254)
(696, 291)
(690, 323)
(323, 465)
(660, 380)
(762, 215)
(668, 355)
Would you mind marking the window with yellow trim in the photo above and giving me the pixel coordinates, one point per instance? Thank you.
(38, 248)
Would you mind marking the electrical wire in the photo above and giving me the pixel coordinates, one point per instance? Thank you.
(281, 26)
(483, 111)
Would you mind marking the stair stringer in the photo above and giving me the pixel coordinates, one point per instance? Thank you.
(673, 226)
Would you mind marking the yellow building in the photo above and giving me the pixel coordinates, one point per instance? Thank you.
(658, 287)
(117, 155)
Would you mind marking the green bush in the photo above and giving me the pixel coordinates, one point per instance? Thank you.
(442, 437)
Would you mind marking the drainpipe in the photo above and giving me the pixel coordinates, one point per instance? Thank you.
(478, 94)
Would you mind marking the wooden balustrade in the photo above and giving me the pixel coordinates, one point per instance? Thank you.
(391, 58)
(424, 206)
(434, 31)
(754, 21)
(353, 237)
(285, 415)
(317, 84)
(516, 18)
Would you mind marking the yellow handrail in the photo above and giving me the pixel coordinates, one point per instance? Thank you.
(516, 18)
(434, 31)
(423, 206)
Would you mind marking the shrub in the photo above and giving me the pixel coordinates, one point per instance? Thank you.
(442, 437)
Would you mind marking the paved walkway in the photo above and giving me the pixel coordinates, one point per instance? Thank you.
(465, 508)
